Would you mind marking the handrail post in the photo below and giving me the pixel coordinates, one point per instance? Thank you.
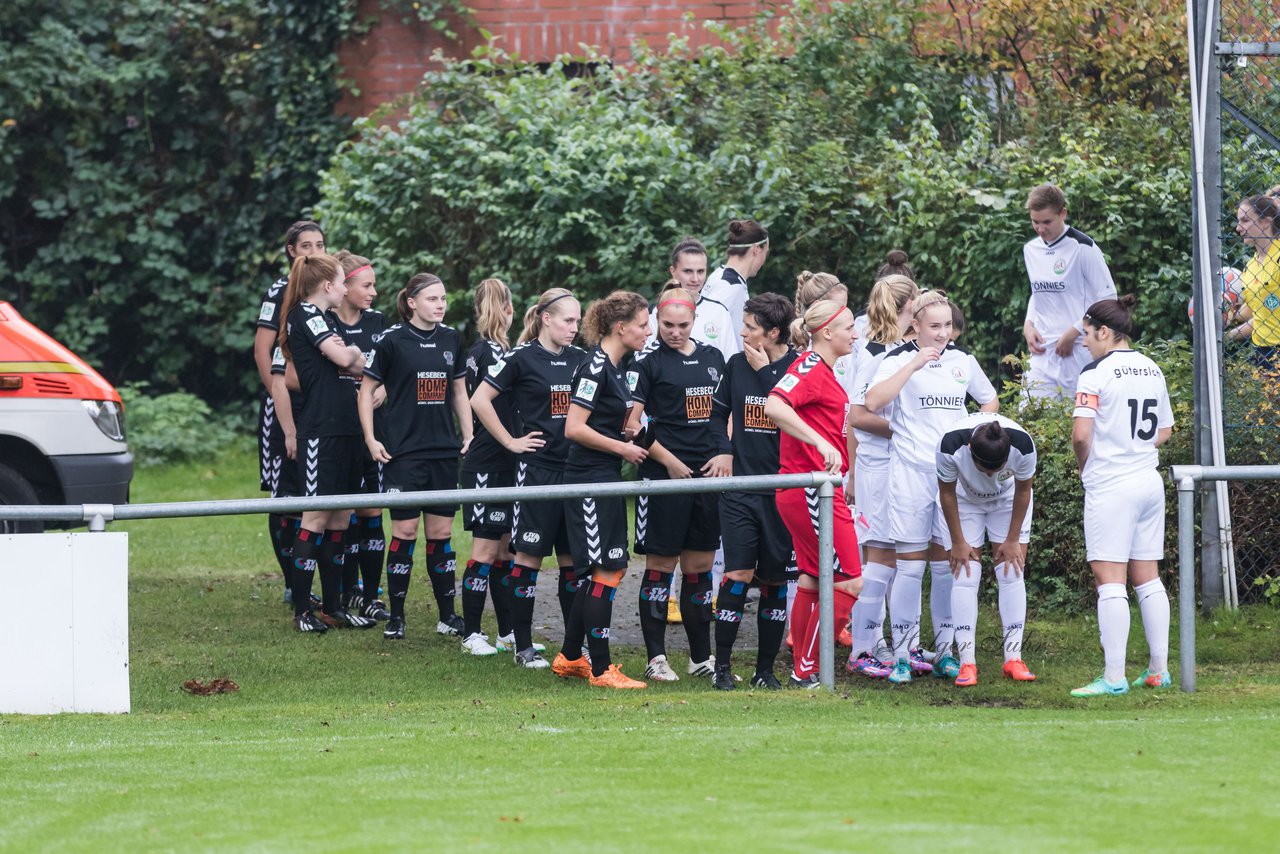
(98, 515)
(826, 587)
(1187, 582)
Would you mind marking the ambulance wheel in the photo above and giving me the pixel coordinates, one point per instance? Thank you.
(14, 489)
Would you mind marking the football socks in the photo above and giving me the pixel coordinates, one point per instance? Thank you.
(1113, 629)
(1153, 605)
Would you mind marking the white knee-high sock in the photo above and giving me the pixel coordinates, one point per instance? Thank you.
(868, 617)
(1113, 629)
(883, 574)
(964, 612)
(904, 606)
(944, 630)
(1153, 604)
(1013, 610)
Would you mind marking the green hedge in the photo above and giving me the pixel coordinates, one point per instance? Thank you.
(840, 133)
(152, 153)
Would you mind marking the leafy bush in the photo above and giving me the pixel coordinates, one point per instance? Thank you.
(845, 131)
(172, 427)
(152, 152)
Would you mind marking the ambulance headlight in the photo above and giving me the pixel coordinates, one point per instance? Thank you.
(108, 416)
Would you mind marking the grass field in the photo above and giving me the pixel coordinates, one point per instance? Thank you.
(344, 742)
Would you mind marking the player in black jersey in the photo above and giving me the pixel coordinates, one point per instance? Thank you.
(421, 363)
(328, 434)
(488, 465)
(358, 323)
(760, 549)
(615, 326)
(672, 381)
(276, 474)
(535, 379)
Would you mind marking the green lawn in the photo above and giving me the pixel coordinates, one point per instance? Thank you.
(344, 742)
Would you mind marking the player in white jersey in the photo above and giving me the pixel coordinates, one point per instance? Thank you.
(889, 314)
(986, 463)
(711, 325)
(1122, 416)
(1067, 274)
(928, 382)
(748, 250)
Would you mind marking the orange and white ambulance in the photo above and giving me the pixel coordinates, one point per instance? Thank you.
(61, 425)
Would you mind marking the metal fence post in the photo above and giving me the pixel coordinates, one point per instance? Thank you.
(1187, 583)
(826, 587)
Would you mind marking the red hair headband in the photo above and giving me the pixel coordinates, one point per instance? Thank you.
(842, 310)
(677, 301)
(357, 270)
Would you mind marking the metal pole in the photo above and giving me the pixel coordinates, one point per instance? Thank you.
(826, 587)
(1187, 583)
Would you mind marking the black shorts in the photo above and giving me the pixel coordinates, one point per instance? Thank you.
(667, 525)
(487, 520)
(539, 526)
(371, 480)
(420, 474)
(597, 526)
(330, 465)
(755, 536)
(277, 473)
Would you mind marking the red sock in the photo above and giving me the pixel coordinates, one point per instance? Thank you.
(843, 607)
(804, 627)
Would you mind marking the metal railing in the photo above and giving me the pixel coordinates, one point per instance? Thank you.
(1188, 479)
(96, 516)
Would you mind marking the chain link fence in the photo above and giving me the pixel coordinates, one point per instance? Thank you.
(1248, 49)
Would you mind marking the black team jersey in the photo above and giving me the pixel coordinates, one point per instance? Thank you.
(329, 400)
(676, 391)
(418, 368)
(269, 313)
(538, 383)
(485, 453)
(742, 394)
(599, 387)
(361, 334)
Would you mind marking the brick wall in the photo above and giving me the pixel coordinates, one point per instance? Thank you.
(390, 60)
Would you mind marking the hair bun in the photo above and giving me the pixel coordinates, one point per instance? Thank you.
(1127, 300)
(896, 257)
(736, 227)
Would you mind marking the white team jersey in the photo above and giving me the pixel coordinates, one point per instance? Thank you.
(861, 323)
(711, 326)
(1067, 276)
(1125, 395)
(872, 449)
(955, 463)
(726, 286)
(931, 401)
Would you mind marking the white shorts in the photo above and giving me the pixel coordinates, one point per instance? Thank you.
(988, 522)
(871, 493)
(1051, 375)
(1124, 521)
(914, 516)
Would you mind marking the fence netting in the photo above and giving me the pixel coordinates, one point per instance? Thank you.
(1248, 56)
